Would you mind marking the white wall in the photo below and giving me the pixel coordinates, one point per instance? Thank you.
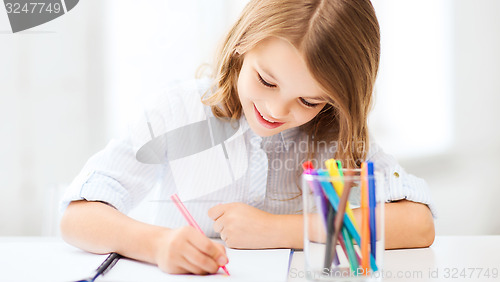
(413, 96)
(51, 111)
(462, 173)
(464, 181)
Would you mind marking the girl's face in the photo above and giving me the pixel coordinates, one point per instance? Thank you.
(275, 88)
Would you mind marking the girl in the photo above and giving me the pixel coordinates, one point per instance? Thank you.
(294, 79)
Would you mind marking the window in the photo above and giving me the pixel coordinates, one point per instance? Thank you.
(412, 114)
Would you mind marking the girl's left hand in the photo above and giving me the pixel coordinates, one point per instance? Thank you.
(242, 226)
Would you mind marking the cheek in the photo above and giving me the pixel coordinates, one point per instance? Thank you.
(243, 84)
(248, 89)
(306, 115)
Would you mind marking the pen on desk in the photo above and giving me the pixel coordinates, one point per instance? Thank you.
(108, 263)
(372, 204)
(189, 218)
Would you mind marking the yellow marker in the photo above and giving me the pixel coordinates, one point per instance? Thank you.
(333, 170)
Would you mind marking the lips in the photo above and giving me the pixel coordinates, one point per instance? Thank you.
(266, 122)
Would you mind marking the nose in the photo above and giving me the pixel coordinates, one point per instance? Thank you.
(278, 108)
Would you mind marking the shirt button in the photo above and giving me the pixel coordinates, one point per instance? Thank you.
(396, 174)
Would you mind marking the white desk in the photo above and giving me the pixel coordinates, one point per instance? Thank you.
(32, 259)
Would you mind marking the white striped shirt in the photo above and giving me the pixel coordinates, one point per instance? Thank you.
(265, 170)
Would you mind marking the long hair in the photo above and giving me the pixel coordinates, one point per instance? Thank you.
(340, 43)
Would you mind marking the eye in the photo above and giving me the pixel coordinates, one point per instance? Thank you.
(265, 83)
(307, 104)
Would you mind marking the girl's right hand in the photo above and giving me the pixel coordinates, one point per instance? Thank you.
(186, 250)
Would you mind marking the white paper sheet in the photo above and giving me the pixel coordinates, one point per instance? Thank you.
(244, 265)
(50, 259)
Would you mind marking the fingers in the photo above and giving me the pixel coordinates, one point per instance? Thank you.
(209, 248)
(216, 211)
(187, 266)
(196, 262)
(200, 263)
(186, 250)
(222, 249)
(218, 226)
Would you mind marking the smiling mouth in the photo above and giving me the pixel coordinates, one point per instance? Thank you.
(270, 124)
(267, 119)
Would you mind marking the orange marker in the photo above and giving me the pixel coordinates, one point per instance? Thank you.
(365, 223)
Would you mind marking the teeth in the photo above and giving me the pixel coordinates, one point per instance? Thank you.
(267, 119)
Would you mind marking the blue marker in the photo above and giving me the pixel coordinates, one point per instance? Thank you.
(372, 205)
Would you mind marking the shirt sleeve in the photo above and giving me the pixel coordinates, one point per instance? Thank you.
(114, 176)
(399, 185)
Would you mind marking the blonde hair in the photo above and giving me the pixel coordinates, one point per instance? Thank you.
(340, 42)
